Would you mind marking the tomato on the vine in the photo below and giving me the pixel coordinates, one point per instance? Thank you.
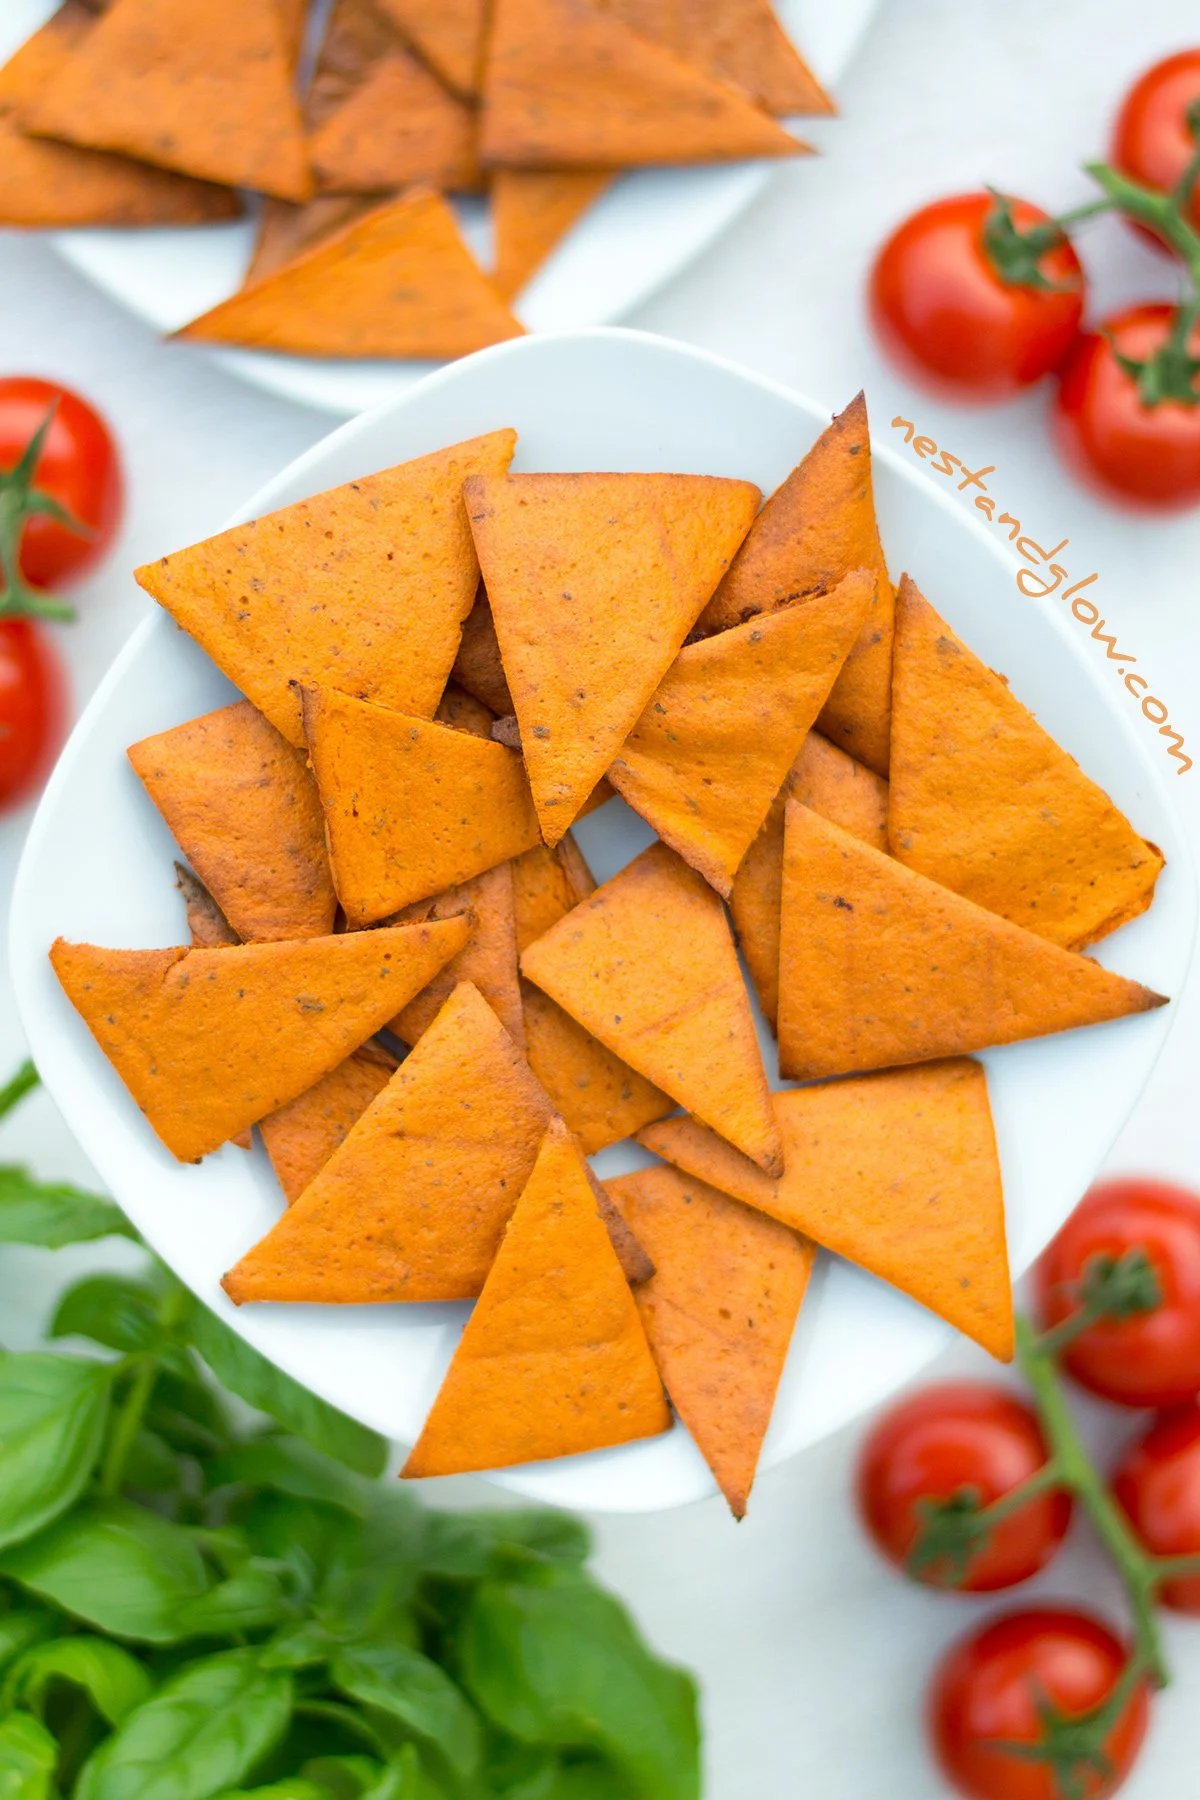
(78, 467)
(1151, 1358)
(1157, 1483)
(977, 296)
(1152, 141)
(1030, 1679)
(931, 1463)
(33, 708)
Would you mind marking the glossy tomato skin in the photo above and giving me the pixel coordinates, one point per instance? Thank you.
(1147, 457)
(987, 1688)
(33, 708)
(79, 467)
(943, 1439)
(947, 319)
(1150, 1359)
(1157, 1484)
(1151, 142)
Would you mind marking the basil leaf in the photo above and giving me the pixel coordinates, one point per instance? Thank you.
(22, 1627)
(300, 1646)
(111, 1310)
(114, 1681)
(289, 1466)
(404, 1778)
(52, 1416)
(28, 1758)
(469, 1544)
(51, 1214)
(558, 1661)
(414, 1690)
(261, 1384)
(304, 1534)
(203, 1731)
(345, 1777)
(118, 1566)
(186, 1412)
(252, 1598)
(153, 1465)
(292, 1787)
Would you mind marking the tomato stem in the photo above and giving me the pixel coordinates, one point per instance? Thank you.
(1111, 1287)
(1016, 254)
(21, 501)
(1139, 1572)
(954, 1529)
(127, 1425)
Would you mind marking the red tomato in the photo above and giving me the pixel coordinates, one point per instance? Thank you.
(33, 708)
(1152, 1358)
(956, 1437)
(1145, 456)
(1151, 142)
(79, 467)
(991, 1685)
(948, 318)
(1158, 1485)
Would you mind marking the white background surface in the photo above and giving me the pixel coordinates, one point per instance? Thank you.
(813, 1658)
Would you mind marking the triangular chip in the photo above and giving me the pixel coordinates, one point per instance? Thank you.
(210, 1041)
(600, 1097)
(647, 965)
(302, 1136)
(285, 230)
(532, 211)
(413, 1204)
(879, 965)
(398, 282)
(477, 667)
(400, 127)
(553, 1360)
(567, 86)
(706, 758)
(59, 185)
(740, 40)
(594, 582)
(449, 34)
(488, 959)
(208, 928)
(243, 808)
(838, 788)
(719, 1312)
(365, 586)
(206, 89)
(896, 1172)
(984, 801)
(464, 712)
(811, 533)
(411, 808)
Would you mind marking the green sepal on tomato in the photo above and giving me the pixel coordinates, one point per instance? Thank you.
(1151, 140)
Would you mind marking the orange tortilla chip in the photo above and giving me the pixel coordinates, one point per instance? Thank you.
(285, 230)
(985, 802)
(647, 965)
(207, 90)
(532, 211)
(567, 86)
(243, 808)
(461, 710)
(896, 1172)
(553, 1360)
(741, 41)
(47, 184)
(477, 667)
(719, 1312)
(636, 1265)
(596, 580)
(398, 282)
(302, 1136)
(449, 34)
(706, 759)
(601, 1098)
(413, 1204)
(832, 784)
(210, 1041)
(375, 610)
(811, 533)
(879, 965)
(411, 808)
(208, 928)
(488, 959)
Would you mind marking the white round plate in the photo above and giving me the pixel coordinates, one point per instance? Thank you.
(640, 234)
(97, 867)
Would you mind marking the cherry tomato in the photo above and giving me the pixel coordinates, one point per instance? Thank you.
(949, 319)
(1158, 1485)
(956, 1439)
(1151, 142)
(994, 1684)
(1150, 1358)
(79, 467)
(33, 708)
(1144, 456)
